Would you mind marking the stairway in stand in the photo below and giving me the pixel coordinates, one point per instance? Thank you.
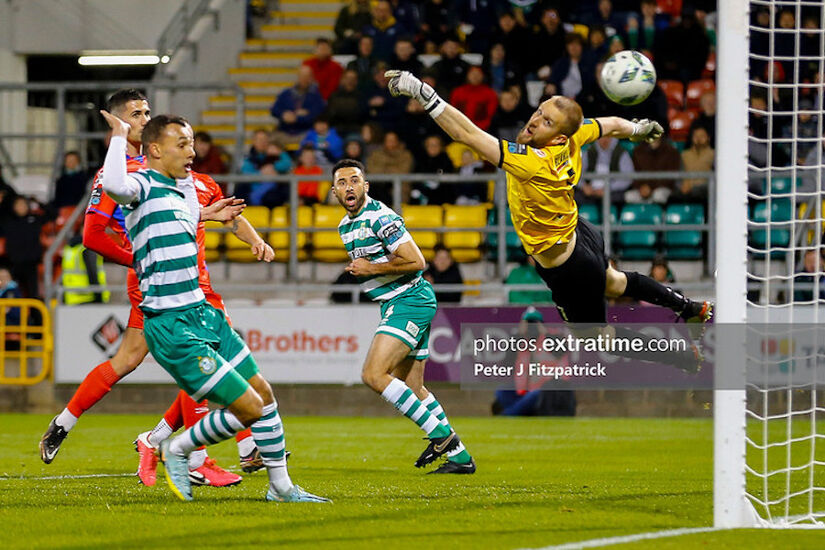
(269, 64)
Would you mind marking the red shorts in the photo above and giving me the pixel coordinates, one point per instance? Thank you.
(135, 297)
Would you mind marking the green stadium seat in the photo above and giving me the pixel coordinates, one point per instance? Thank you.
(779, 186)
(684, 245)
(591, 213)
(781, 210)
(515, 252)
(639, 245)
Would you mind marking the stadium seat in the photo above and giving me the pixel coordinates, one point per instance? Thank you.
(279, 240)
(213, 241)
(591, 213)
(680, 125)
(515, 251)
(696, 89)
(639, 245)
(327, 245)
(710, 66)
(455, 149)
(684, 245)
(424, 216)
(779, 186)
(780, 235)
(464, 245)
(236, 249)
(674, 92)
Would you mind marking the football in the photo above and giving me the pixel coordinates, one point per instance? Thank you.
(628, 77)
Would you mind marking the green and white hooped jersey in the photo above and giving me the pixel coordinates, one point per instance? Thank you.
(375, 233)
(163, 234)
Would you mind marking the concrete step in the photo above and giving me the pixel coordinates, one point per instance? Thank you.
(304, 17)
(227, 116)
(227, 102)
(310, 32)
(267, 59)
(303, 45)
(259, 87)
(293, 6)
(284, 76)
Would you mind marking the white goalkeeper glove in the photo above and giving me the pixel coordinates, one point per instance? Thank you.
(407, 84)
(646, 130)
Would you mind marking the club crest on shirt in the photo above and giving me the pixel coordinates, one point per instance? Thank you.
(540, 153)
(207, 365)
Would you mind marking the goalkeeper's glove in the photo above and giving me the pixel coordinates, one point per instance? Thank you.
(646, 130)
(407, 84)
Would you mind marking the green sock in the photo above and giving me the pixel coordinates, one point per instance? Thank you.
(459, 454)
(400, 396)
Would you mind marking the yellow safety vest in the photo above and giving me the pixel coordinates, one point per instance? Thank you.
(75, 276)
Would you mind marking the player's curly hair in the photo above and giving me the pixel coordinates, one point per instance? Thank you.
(154, 128)
(573, 116)
(348, 163)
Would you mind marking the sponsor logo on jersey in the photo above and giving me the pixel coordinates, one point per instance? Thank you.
(390, 232)
(97, 192)
(412, 328)
(517, 148)
(561, 159)
(539, 153)
(207, 365)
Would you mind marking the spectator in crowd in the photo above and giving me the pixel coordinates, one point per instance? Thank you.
(7, 196)
(433, 161)
(275, 161)
(810, 47)
(379, 104)
(597, 45)
(308, 166)
(477, 20)
(476, 99)
(437, 22)
(443, 270)
(82, 267)
(758, 127)
(813, 169)
(344, 108)
(812, 266)
(642, 32)
(372, 138)
(474, 192)
(516, 41)
(10, 289)
(354, 149)
(298, 106)
(572, 74)
(660, 271)
(349, 24)
(707, 116)
(698, 157)
(603, 156)
(383, 29)
(364, 62)
(548, 43)
(72, 183)
(605, 17)
(208, 158)
(682, 51)
(404, 57)
(450, 71)
(407, 15)
(499, 72)
(656, 156)
(510, 117)
(325, 70)
(785, 42)
(23, 248)
(391, 158)
(345, 296)
(256, 157)
(526, 274)
(325, 140)
(415, 126)
(807, 130)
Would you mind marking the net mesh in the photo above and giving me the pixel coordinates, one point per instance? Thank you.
(785, 442)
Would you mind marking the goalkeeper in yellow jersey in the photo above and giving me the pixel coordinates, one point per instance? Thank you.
(543, 166)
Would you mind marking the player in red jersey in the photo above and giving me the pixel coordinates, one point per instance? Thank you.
(102, 214)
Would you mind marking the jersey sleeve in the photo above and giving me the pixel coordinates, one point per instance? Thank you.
(211, 192)
(519, 160)
(589, 132)
(95, 238)
(390, 230)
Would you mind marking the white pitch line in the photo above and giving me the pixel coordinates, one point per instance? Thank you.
(47, 478)
(597, 543)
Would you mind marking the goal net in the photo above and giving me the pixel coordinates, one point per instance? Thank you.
(783, 469)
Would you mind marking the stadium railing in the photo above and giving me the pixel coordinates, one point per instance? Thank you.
(27, 342)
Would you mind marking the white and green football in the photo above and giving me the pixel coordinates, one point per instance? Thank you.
(628, 77)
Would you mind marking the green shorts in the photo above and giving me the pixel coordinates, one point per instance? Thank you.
(204, 355)
(408, 317)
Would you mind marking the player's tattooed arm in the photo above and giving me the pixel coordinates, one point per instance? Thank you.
(636, 130)
(407, 258)
(244, 230)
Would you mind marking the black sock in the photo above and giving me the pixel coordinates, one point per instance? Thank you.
(640, 287)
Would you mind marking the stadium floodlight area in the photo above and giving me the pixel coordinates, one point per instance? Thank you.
(769, 434)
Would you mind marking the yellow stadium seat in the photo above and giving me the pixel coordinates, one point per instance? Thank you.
(327, 245)
(236, 249)
(455, 150)
(464, 245)
(279, 240)
(424, 216)
(213, 241)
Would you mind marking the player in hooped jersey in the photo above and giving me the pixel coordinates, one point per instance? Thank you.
(104, 214)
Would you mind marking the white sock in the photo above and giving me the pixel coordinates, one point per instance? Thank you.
(246, 446)
(66, 420)
(197, 458)
(279, 477)
(159, 433)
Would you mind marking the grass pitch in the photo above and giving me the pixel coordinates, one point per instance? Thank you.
(540, 482)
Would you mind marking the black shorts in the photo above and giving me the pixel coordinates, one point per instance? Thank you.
(578, 284)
